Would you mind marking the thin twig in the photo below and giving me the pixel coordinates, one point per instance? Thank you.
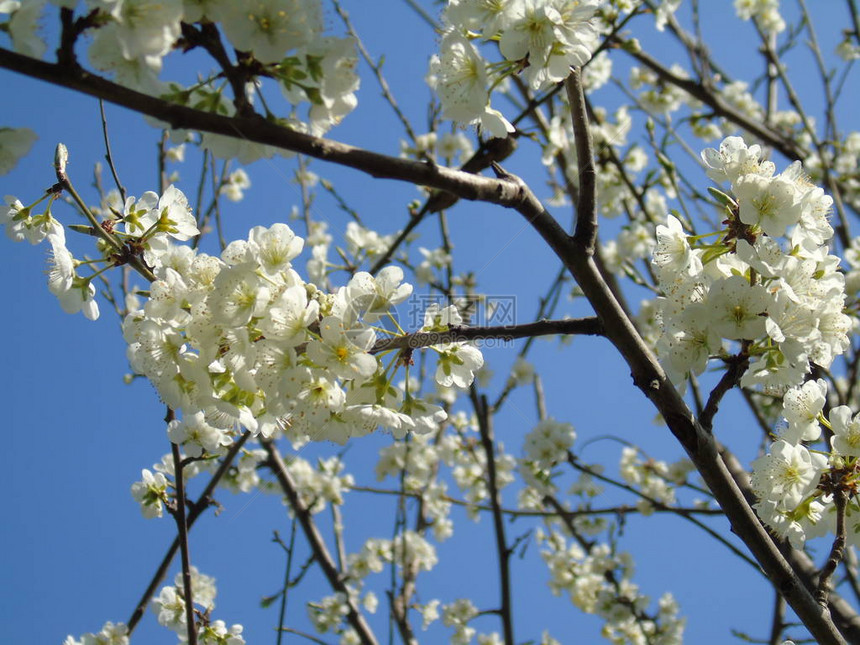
(485, 426)
(546, 307)
(622, 509)
(282, 610)
(460, 333)
(733, 375)
(337, 528)
(178, 513)
(777, 621)
(657, 504)
(423, 14)
(203, 502)
(305, 635)
(840, 499)
(540, 399)
(317, 544)
(701, 92)
(826, 77)
(108, 155)
(377, 71)
(492, 150)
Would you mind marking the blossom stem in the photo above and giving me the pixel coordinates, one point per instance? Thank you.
(107, 236)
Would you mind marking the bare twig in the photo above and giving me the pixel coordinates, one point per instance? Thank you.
(840, 499)
(376, 67)
(282, 610)
(316, 542)
(178, 513)
(203, 502)
(622, 509)
(687, 514)
(733, 375)
(485, 426)
(108, 155)
(720, 108)
(777, 621)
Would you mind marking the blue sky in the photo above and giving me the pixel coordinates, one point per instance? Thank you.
(78, 552)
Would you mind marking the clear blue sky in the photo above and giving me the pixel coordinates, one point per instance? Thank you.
(77, 551)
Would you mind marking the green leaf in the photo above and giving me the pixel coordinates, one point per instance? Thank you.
(721, 197)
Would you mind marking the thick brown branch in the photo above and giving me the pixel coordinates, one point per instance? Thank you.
(462, 184)
(649, 377)
(575, 253)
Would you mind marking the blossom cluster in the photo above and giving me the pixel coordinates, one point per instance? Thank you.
(796, 483)
(540, 39)
(417, 464)
(170, 608)
(109, 634)
(767, 281)
(407, 549)
(243, 340)
(599, 582)
(547, 444)
(74, 292)
(765, 13)
(654, 479)
(317, 485)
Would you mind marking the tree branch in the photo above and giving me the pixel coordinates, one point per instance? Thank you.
(840, 499)
(258, 130)
(777, 621)
(316, 542)
(179, 516)
(485, 426)
(698, 91)
(731, 378)
(650, 378)
(459, 333)
(574, 252)
(586, 207)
